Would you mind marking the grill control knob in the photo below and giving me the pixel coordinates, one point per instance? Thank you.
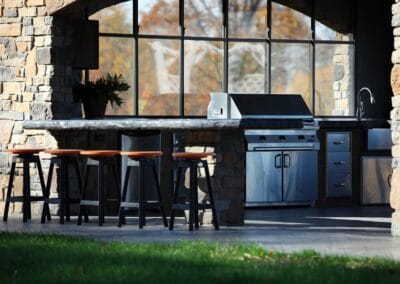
(301, 137)
(282, 138)
(263, 138)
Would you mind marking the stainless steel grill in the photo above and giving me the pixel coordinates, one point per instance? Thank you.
(281, 164)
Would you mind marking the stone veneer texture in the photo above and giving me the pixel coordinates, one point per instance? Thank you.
(395, 118)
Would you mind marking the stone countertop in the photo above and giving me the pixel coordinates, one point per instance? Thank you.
(160, 124)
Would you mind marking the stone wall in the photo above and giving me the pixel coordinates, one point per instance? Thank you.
(395, 117)
(31, 87)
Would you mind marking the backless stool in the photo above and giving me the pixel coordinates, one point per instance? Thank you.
(141, 160)
(63, 158)
(99, 159)
(193, 161)
(27, 157)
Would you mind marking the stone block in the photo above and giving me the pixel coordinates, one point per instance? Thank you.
(396, 101)
(34, 3)
(395, 79)
(30, 66)
(396, 21)
(27, 21)
(6, 131)
(11, 30)
(11, 115)
(396, 57)
(43, 55)
(396, 9)
(11, 12)
(28, 31)
(14, 3)
(395, 230)
(395, 190)
(22, 46)
(12, 87)
(28, 12)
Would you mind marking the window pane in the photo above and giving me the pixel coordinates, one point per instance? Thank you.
(334, 80)
(247, 67)
(158, 77)
(115, 19)
(116, 57)
(248, 19)
(203, 74)
(291, 22)
(291, 70)
(333, 20)
(203, 18)
(159, 17)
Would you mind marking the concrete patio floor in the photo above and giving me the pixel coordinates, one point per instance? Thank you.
(361, 231)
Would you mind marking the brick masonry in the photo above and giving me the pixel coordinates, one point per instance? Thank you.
(395, 117)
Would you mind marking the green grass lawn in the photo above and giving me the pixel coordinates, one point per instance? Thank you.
(59, 259)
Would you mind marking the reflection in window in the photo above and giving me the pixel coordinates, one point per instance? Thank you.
(291, 70)
(203, 18)
(159, 17)
(248, 19)
(334, 81)
(116, 56)
(203, 74)
(288, 23)
(159, 77)
(247, 67)
(115, 19)
(333, 20)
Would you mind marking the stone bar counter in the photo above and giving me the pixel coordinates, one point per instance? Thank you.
(225, 137)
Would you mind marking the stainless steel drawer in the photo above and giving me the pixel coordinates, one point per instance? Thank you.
(339, 185)
(338, 142)
(339, 163)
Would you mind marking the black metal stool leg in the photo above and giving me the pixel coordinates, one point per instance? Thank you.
(26, 188)
(211, 195)
(192, 195)
(121, 215)
(83, 194)
(196, 199)
(100, 193)
(67, 205)
(164, 217)
(175, 198)
(9, 190)
(42, 185)
(62, 188)
(48, 184)
(141, 195)
(80, 184)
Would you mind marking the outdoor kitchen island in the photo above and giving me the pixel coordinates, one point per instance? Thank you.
(225, 137)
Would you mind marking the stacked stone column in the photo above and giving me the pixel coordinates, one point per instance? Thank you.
(395, 124)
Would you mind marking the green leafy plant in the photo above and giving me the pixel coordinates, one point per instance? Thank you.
(106, 87)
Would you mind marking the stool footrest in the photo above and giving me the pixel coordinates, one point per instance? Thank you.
(57, 200)
(90, 202)
(21, 198)
(147, 204)
(186, 206)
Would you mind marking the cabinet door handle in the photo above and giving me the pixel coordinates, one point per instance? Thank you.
(286, 165)
(340, 184)
(278, 161)
(389, 181)
(338, 142)
(338, 163)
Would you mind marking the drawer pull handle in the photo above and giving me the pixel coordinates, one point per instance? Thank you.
(338, 163)
(340, 184)
(338, 142)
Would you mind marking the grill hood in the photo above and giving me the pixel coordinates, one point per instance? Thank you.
(257, 106)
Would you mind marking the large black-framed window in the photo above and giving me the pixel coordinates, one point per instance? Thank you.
(175, 52)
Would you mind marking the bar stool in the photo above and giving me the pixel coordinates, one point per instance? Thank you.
(193, 161)
(141, 160)
(63, 158)
(26, 156)
(99, 159)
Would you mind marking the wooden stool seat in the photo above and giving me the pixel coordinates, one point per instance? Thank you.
(25, 151)
(192, 156)
(63, 152)
(142, 154)
(100, 153)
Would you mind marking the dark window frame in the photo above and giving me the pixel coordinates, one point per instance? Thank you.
(135, 35)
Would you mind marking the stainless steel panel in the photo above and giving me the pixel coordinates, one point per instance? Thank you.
(376, 171)
(338, 142)
(379, 139)
(339, 162)
(219, 106)
(300, 176)
(339, 185)
(264, 176)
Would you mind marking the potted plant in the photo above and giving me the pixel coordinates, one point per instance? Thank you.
(94, 95)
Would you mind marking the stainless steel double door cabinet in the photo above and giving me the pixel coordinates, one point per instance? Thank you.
(281, 176)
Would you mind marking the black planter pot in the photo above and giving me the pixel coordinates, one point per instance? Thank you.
(94, 107)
